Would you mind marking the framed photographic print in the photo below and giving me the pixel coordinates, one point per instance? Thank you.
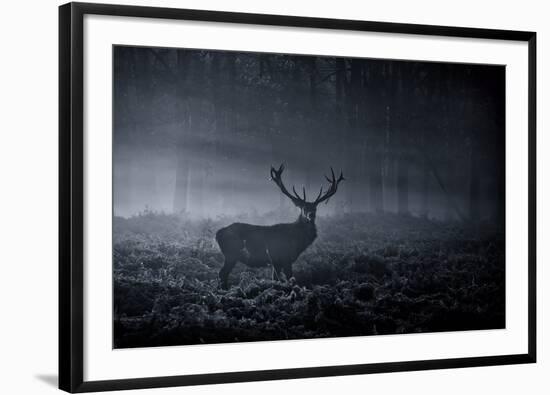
(251, 197)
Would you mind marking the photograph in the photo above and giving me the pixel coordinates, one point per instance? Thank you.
(271, 196)
(265, 197)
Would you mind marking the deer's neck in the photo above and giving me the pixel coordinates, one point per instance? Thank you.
(308, 230)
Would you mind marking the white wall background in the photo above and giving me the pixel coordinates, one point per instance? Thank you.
(28, 198)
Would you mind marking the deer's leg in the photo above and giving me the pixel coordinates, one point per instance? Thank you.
(225, 270)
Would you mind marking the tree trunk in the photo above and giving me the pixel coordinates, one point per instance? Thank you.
(340, 99)
(230, 122)
(425, 198)
(354, 106)
(181, 190)
(475, 181)
(145, 109)
(380, 118)
(198, 186)
(181, 197)
(402, 185)
(132, 178)
(375, 183)
(404, 94)
(310, 127)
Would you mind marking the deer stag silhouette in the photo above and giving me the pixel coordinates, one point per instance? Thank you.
(277, 245)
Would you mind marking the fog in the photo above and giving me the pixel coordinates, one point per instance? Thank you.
(196, 132)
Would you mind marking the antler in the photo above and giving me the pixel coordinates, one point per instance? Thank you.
(332, 189)
(276, 177)
(300, 201)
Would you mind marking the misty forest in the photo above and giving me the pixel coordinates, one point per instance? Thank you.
(409, 240)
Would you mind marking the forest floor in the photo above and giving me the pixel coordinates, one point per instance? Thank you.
(364, 275)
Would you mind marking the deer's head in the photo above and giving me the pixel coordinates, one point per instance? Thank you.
(308, 210)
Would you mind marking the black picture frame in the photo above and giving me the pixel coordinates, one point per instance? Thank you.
(71, 195)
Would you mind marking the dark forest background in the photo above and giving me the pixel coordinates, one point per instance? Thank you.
(413, 241)
(195, 131)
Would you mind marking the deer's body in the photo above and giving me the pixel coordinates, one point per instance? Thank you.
(276, 245)
(256, 246)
